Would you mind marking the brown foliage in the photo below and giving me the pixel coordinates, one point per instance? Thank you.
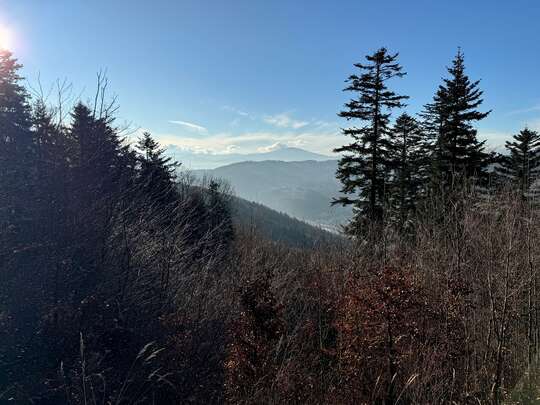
(393, 333)
(256, 342)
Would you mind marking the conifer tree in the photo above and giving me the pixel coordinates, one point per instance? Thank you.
(220, 218)
(96, 186)
(98, 156)
(15, 111)
(409, 157)
(363, 166)
(450, 118)
(52, 146)
(156, 172)
(52, 152)
(520, 166)
(17, 172)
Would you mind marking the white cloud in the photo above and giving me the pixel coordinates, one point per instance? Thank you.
(273, 147)
(495, 140)
(189, 125)
(250, 142)
(283, 120)
(534, 108)
(235, 110)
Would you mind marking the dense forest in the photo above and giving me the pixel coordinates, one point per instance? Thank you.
(123, 281)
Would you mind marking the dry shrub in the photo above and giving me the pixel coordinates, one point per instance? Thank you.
(394, 338)
(256, 342)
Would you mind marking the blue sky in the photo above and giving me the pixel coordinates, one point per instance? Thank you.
(241, 76)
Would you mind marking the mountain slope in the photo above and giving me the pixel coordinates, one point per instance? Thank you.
(303, 190)
(279, 227)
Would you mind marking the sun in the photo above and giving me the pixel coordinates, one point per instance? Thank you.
(6, 38)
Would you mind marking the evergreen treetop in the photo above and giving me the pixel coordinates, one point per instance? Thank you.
(520, 166)
(450, 118)
(363, 166)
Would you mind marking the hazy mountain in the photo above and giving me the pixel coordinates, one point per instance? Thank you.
(303, 190)
(195, 161)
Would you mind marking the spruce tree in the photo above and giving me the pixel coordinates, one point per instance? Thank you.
(96, 187)
(363, 167)
(220, 218)
(15, 111)
(409, 157)
(17, 153)
(156, 171)
(52, 146)
(52, 151)
(520, 166)
(450, 118)
(98, 154)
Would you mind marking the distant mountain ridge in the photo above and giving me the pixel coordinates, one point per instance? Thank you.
(301, 189)
(198, 161)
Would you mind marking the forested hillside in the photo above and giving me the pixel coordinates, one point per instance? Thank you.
(124, 282)
(279, 227)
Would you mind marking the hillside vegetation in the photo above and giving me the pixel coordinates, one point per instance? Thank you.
(279, 227)
(122, 282)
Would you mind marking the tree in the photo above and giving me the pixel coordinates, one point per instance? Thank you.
(156, 172)
(450, 119)
(99, 157)
(363, 166)
(97, 186)
(52, 165)
(520, 166)
(15, 111)
(17, 175)
(409, 148)
(220, 218)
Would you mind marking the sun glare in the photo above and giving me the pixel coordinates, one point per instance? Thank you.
(5, 38)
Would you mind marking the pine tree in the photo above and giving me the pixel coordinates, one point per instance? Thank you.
(15, 111)
(98, 159)
(52, 151)
(96, 187)
(450, 119)
(156, 172)
(52, 146)
(220, 218)
(409, 157)
(520, 166)
(363, 167)
(17, 169)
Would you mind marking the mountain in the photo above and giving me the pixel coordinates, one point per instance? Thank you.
(302, 190)
(197, 161)
(279, 227)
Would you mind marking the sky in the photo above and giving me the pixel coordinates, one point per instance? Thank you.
(244, 76)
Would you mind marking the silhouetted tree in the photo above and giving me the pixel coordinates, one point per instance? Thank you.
(19, 243)
(363, 167)
(220, 218)
(520, 166)
(409, 157)
(156, 172)
(17, 174)
(450, 119)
